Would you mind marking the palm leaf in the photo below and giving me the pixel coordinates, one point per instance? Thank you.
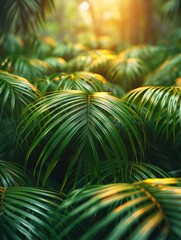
(93, 60)
(68, 51)
(160, 106)
(57, 64)
(26, 67)
(153, 56)
(175, 173)
(10, 44)
(150, 209)
(171, 7)
(85, 81)
(15, 93)
(175, 41)
(114, 89)
(38, 47)
(26, 213)
(128, 73)
(138, 172)
(14, 14)
(89, 128)
(12, 174)
(166, 74)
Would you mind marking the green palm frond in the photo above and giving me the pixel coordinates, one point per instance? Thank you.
(26, 213)
(57, 64)
(38, 46)
(85, 130)
(153, 56)
(22, 16)
(101, 65)
(144, 210)
(128, 73)
(85, 81)
(93, 60)
(161, 107)
(138, 172)
(77, 64)
(46, 84)
(175, 41)
(114, 89)
(166, 74)
(10, 44)
(15, 93)
(171, 7)
(13, 175)
(26, 67)
(68, 51)
(175, 173)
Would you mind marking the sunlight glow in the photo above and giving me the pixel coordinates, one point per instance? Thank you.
(84, 6)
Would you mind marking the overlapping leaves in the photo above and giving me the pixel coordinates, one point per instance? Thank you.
(94, 60)
(151, 55)
(12, 174)
(26, 213)
(26, 67)
(128, 73)
(161, 106)
(166, 74)
(89, 128)
(14, 14)
(85, 81)
(143, 210)
(15, 93)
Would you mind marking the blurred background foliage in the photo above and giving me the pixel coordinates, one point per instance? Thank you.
(110, 24)
(114, 22)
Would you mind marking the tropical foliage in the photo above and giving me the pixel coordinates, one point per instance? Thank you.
(142, 210)
(14, 14)
(90, 139)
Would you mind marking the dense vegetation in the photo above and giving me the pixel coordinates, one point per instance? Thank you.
(90, 140)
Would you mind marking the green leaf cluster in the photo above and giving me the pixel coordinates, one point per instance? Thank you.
(90, 139)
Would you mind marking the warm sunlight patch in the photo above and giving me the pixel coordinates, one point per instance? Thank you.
(84, 6)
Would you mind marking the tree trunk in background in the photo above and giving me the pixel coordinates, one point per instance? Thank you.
(96, 20)
(150, 30)
(135, 21)
(124, 22)
(130, 25)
